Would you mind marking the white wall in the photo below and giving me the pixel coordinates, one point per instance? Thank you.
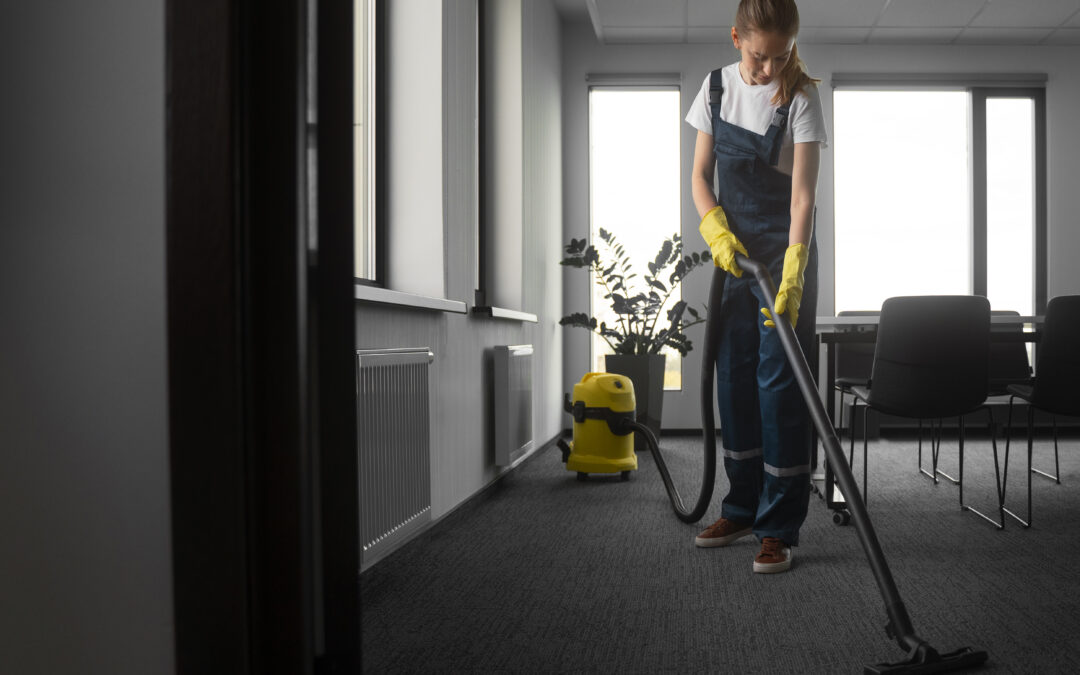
(462, 453)
(85, 563)
(582, 54)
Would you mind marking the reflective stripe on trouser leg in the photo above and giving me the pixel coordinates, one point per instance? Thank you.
(785, 495)
(737, 400)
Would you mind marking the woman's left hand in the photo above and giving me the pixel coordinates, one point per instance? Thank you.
(789, 297)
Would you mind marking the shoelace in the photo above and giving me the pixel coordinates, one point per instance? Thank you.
(771, 547)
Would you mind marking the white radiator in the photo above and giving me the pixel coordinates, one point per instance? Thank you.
(513, 403)
(394, 446)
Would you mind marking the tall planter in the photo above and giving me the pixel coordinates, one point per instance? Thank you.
(646, 372)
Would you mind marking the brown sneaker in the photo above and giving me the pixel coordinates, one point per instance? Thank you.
(722, 533)
(775, 556)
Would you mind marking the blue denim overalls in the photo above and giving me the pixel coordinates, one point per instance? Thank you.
(764, 420)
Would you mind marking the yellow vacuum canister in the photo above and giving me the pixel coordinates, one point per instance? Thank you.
(602, 405)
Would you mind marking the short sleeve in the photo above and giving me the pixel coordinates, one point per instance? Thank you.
(807, 119)
(699, 115)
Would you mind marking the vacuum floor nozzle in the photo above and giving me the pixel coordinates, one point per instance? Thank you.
(926, 661)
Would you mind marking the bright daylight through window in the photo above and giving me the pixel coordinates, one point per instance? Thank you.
(903, 195)
(905, 167)
(364, 138)
(634, 184)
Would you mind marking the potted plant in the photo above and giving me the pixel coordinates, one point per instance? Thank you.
(643, 327)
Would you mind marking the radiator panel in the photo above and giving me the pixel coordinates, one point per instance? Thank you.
(513, 397)
(394, 447)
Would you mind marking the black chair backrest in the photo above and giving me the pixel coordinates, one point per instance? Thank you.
(1057, 370)
(1008, 360)
(855, 360)
(932, 356)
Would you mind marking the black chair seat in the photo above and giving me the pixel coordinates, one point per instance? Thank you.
(850, 382)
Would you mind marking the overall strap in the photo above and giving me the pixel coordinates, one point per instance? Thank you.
(776, 132)
(780, 116)
(716, 92)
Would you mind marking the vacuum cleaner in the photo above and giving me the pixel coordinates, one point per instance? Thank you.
(605, 446)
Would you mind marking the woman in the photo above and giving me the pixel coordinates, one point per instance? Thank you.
(759, 122)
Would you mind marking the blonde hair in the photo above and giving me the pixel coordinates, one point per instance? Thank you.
(781, 17)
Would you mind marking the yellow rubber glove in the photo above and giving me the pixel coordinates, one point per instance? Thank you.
(789, 297)
(722, 242)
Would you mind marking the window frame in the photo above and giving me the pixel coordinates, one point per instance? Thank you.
(979, 88)
(979, 96)
(627, 82)
(376, 31)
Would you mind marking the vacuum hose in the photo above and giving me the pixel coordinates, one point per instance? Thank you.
(708, 422)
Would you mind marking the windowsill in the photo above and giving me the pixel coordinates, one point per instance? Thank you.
(502, 313)
(384, 296)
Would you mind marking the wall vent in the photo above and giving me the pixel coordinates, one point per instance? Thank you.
(513, 398)
(393, 446)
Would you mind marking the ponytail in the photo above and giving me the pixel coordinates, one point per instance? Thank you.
(793, 78)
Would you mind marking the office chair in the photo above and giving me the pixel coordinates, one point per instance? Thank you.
(1054, 388)
(1008, 364)
(931, 361)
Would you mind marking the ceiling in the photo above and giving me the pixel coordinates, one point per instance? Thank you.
(886, 22)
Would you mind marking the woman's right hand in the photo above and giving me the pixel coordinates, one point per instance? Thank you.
(721, 240)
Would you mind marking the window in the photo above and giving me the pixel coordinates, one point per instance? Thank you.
(364, 138)
(1010, 203)
(634, 182)
(937, 192)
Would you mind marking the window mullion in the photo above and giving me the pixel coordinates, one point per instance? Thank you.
(978, 192)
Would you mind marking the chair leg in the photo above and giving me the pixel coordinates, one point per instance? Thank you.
(851, 448)
(933, 472)
(1030, 439)
(840, 419)
(960, 456)
(1056, 477)
(1008, 444)
(865, 409)
(865, 462)
(954, 481)
(999, 487)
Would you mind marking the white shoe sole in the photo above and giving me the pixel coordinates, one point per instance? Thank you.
(709, 542)
(773, 568)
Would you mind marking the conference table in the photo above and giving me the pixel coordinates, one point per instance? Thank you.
(834, 330)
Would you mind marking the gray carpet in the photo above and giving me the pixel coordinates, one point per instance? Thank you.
(546, 574)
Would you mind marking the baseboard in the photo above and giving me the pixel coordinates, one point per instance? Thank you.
(473, 499)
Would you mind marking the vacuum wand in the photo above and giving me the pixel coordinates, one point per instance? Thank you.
(922, 658)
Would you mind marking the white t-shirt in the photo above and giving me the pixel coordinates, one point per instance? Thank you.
(751, 107)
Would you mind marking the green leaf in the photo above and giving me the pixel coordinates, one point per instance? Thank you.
(662, 257)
